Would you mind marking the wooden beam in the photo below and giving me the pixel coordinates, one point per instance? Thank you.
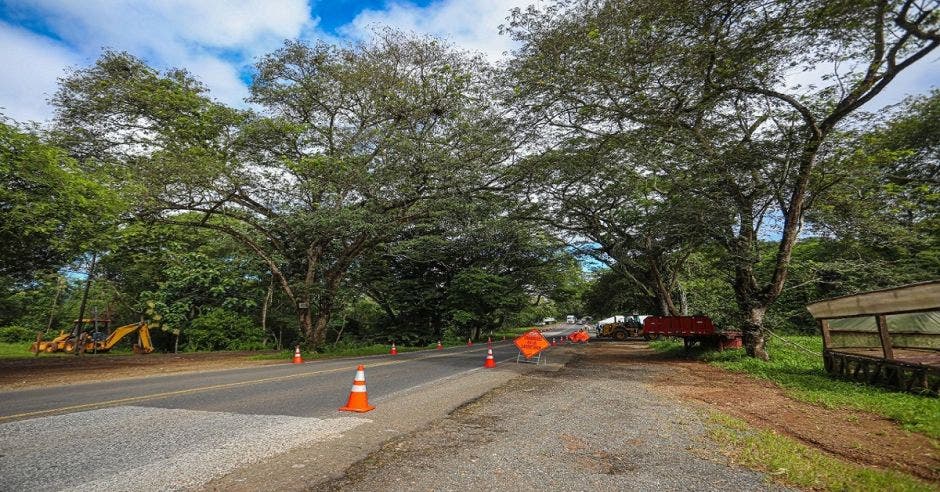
(885, 337)
(827, 339)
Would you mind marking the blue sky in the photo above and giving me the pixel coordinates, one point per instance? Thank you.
(219, 40)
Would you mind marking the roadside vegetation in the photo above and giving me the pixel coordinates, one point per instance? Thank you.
(797, 367)
(401, 188)
(791, 463)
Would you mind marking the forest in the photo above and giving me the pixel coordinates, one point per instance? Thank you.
(724, 158)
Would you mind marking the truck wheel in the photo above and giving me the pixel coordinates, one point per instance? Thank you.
(620, 335)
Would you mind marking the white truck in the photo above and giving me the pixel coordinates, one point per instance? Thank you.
(571, 319)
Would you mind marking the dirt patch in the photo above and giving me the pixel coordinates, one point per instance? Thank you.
(851, 435)
(46, 371)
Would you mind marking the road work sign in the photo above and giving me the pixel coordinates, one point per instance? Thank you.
(531, 343)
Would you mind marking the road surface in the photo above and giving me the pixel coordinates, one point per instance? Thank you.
(180, 431)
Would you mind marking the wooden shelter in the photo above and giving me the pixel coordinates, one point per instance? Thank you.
(889, 337)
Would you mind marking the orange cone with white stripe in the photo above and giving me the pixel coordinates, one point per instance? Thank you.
(297, 358)
(394, 350)
(358, 396)
(490, 361)
(439, 345)
(469, 342)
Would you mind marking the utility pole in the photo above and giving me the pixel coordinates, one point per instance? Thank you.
(81, 310)
(60, 284)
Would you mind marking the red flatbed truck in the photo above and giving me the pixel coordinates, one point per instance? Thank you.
(692, 330)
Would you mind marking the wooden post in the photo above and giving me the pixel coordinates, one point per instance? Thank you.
(885, 337)
(827, 339)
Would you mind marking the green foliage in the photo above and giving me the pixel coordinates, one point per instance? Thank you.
(803, 376)
(17, 334)
(51, 211)
(220, 329)
(793, 463)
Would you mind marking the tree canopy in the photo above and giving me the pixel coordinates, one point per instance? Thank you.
(630, 155)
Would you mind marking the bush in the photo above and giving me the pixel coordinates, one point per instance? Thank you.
(16, 334)
(221, 329)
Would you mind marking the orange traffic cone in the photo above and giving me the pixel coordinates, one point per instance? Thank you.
(489, 341)
(297, 358)
(439, 346)
(490, 361)
(469, 342)
(553, 342)
(394, 350)
(358, 396)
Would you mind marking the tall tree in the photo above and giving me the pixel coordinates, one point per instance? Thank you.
(51, 211)
(713, 77)
(357, 145)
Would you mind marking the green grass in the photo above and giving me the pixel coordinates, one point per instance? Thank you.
(802, 375)
(349, 350)
(15, 350)
(787, 461)
(511, 333)
(20, 350)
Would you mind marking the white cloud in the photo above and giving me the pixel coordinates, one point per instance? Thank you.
(213, 39)
(31, 66)
(469, 24)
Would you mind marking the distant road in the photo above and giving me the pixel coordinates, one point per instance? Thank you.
(158, 433)
(560, 329)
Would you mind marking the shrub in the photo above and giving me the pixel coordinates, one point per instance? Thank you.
(221, 329)
(16, 334)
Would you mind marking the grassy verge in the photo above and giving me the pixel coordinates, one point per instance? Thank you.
(792, 463)
(802, 375)
(344, 351)
(21, 351)
(511, 333)
(15, 350)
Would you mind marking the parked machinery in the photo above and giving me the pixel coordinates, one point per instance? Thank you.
(620, 327)
(97, 341)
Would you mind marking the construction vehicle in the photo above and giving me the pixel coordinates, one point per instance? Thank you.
(97, 341)
(620, 327)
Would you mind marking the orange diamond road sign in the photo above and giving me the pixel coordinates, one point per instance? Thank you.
(531, 343)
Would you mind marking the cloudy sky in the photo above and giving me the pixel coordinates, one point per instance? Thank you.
(218, 40)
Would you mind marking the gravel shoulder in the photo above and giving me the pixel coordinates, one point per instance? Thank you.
(589, 426)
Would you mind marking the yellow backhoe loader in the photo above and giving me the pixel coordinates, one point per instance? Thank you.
(88, 342)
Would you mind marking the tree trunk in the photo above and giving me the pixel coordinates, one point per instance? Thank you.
(305, 321)
(660, 290)
(754, 336)
(268, 297)
(317, 336)
(683, 302)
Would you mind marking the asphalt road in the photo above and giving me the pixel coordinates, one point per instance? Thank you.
(178, 431)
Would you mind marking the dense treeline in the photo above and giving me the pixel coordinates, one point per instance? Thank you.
(630, 157)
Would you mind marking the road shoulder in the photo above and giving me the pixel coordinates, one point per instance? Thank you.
(589, 426)
(396, 415)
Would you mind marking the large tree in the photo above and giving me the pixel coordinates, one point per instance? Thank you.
(356, 144)
(610, 199)
(715, 78)
(51, 211)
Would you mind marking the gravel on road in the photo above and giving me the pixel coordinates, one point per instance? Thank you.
(589, 426)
